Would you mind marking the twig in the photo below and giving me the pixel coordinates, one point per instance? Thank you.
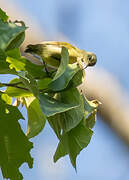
(14, 85)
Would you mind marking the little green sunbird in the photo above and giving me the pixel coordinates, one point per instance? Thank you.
(50, 52)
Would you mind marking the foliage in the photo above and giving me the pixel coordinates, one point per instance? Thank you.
(51, 97)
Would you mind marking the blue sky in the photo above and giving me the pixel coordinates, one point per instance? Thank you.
(98, 26)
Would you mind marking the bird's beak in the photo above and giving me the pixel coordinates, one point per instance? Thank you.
(86, 66)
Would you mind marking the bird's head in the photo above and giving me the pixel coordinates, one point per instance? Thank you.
(34, 49)
(89, 58)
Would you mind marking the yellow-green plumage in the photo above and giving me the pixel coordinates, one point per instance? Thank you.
(50, 52)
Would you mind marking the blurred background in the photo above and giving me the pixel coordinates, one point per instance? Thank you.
(101, 27)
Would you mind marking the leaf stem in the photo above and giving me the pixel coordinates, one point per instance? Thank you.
(14, 85)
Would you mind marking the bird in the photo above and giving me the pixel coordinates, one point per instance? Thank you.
(50, 53)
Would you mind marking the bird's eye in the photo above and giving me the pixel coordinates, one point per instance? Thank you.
(90, 58)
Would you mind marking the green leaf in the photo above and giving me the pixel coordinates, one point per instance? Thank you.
(62, 148)
(15, 60)
(73, 142)
(51, 106)
(2, 56)
(34, 69)
(17, 92)
(54, 122)
(29, 82)
(14, 145)
(6, 98)
(14, 63)
(11, 35)
(20, 63)
(63, 80)
(3, 16)
(91, 120)
(15, 43)
(63, 64)
(90, 106)
(69, 119)
(44, 83)
(4, 66)
(77, 79)
(73, 117)
(36, 119)
(14, 53)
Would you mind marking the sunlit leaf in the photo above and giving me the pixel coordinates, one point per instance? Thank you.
(90, 120)
(4, 66)
(6, 98)
(17, 92)
(20, 63)
(3, 15)
(14, 59)
(36, 119)
(90, 106)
